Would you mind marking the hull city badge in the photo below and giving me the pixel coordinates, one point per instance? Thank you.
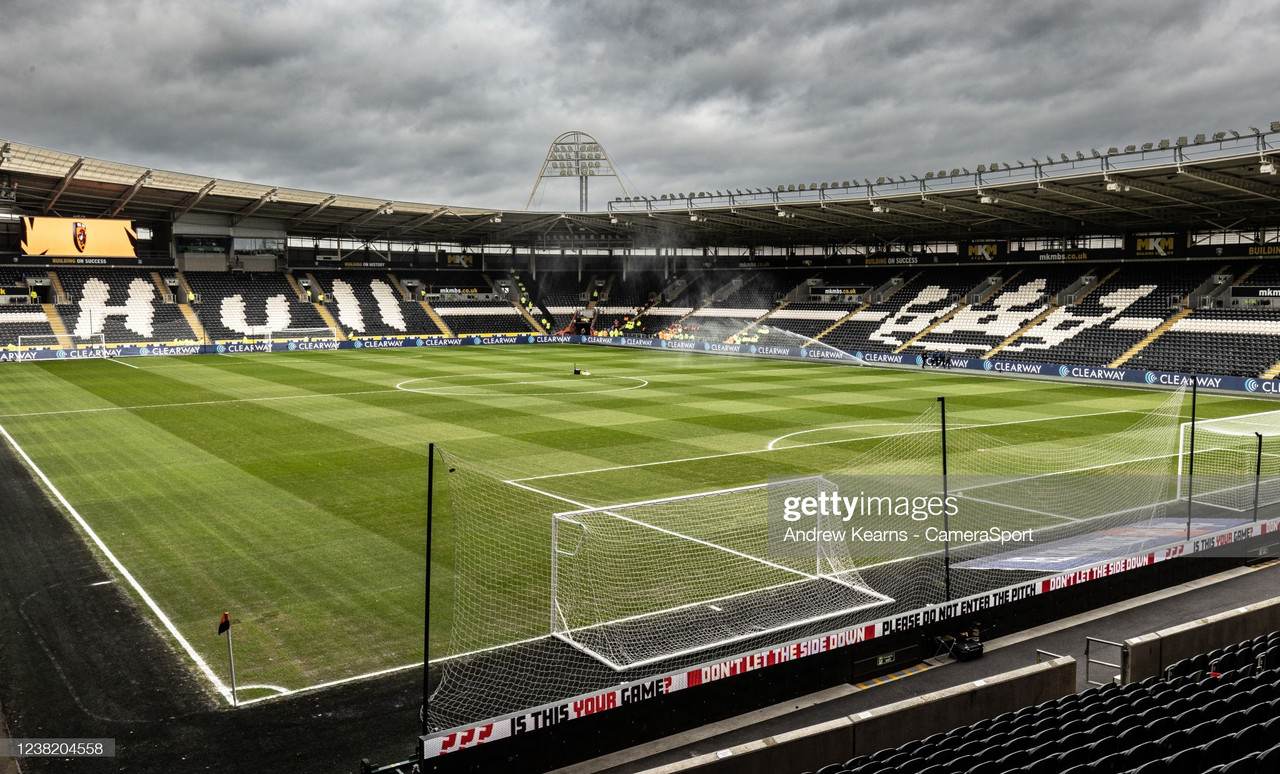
(80, 235)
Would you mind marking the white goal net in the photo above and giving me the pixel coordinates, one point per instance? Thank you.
(303, 334)
(1235, 458)
(88, 345)
(649, 581)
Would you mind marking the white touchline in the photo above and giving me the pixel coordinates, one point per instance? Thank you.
(770, 447)
(97, 541)
(121, 362)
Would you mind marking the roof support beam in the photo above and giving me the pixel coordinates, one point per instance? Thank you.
(385, 208)
(312, 212)
(1235, 183)
(269, 196)
(128, 195)
(1114, 202)
(62, 185)
(193, 200)
(415, 223)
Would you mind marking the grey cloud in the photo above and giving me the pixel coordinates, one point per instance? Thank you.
(457, 102)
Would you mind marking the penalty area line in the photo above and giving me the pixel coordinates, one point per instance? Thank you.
(124, 572)
(772, 448)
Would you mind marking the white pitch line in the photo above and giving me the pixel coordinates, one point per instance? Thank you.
(124, 572)
(121, 362)
(330, 684)
(197, 403)
(808, 445)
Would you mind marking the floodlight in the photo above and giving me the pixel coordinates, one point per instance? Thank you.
(1200, 138)
(1275, 126)
(1164, 144)
(1255, 130)
(1095, 153)
(1113, 185)
(1079, 155)
(1182, 140)
(1146, 146)
(987, 199)
(982, 167)
(1267, 167)
(1064, 157)
(928, 175)
(1234, 133)
(1130, 148)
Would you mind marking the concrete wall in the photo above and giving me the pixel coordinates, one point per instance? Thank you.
(1148, 655)
(838, 740)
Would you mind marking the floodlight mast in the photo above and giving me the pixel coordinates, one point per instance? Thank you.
(577, 154)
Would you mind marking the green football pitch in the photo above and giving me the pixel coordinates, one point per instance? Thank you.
(291, 489)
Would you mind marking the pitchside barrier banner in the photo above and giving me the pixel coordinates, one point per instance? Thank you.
(1076, 373)
(452, 740)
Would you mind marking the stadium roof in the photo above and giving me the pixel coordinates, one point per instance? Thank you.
(1203, 185)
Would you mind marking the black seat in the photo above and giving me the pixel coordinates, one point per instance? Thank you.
(1187, 759)
(1218, 751)
(1244, 765)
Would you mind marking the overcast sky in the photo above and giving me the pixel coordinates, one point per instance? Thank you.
(457, 102)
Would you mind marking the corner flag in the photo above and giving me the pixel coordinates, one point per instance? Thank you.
(225, 624)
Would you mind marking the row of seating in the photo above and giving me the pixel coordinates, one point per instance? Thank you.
(1193, 718)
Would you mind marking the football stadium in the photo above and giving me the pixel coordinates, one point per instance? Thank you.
(973, 472)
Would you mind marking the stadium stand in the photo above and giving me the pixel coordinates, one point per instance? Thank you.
(367, 304)
(1120, 315)
(125, 305)
(1120, 310)
(237, 305)
(1217, 712)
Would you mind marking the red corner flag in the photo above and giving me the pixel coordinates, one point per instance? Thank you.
(225, 624)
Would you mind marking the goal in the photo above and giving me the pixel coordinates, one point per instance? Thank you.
(644, 582)
(1235, 458)
(91, 345)
(303, 334)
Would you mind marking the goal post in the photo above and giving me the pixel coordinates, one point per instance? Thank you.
(1237, 461)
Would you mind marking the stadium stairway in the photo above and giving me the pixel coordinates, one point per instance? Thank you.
(866, 303)
(1160, 330)
(762, 318)
(55, 322)
(405, 295)
(529, 318)
(436, 318)
(293, 283)
(161, 288)
(188, 313)
(327, 316)
(56, 283)
(1033, 322)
